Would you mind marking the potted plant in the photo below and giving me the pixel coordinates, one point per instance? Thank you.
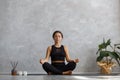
(107, 56)
(14, 65)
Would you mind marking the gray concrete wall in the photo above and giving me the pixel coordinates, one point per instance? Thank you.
(26, 28)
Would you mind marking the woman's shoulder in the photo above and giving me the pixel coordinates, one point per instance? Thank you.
(65, 47)
(49, 47)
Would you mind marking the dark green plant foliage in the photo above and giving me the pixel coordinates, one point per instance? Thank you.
(104, 44)
(103, 52)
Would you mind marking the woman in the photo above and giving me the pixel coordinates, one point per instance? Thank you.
(58, 54)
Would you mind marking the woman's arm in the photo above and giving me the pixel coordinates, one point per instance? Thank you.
(68, 57)
(42, 61)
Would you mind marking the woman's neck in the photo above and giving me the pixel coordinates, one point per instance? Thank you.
(57, 44)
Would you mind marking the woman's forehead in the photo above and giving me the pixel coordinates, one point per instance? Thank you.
(57, 33)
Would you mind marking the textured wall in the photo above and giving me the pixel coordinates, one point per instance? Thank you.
(26, 28)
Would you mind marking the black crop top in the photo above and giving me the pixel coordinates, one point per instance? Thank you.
(57, 53)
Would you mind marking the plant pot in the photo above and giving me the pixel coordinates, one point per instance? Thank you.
(106, 68)
(13, 72)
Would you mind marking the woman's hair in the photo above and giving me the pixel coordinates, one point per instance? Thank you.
(57, 32)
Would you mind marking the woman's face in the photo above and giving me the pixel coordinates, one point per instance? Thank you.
(57, 37)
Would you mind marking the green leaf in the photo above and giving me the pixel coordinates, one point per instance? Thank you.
(118, 47)
(104, 53)
(104, 44)
(118, 53)
(115, 56)
(99, 58)
(108, 42)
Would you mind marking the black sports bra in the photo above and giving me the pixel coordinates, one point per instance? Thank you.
(57, 53)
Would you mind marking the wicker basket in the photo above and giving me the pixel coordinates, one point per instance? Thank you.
(106, 68)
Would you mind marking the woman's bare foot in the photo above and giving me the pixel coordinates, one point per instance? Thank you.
(49, 73)
(67, 72)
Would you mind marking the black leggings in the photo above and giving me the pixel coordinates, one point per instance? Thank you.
(58, 68)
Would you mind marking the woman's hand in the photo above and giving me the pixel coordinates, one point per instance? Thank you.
(42, 61)
(76, 60)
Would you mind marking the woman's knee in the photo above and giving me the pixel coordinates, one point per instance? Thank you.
(45, 65)
(72, 65)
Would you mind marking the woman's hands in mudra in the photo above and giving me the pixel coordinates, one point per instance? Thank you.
(42, 61)
(76, 60)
